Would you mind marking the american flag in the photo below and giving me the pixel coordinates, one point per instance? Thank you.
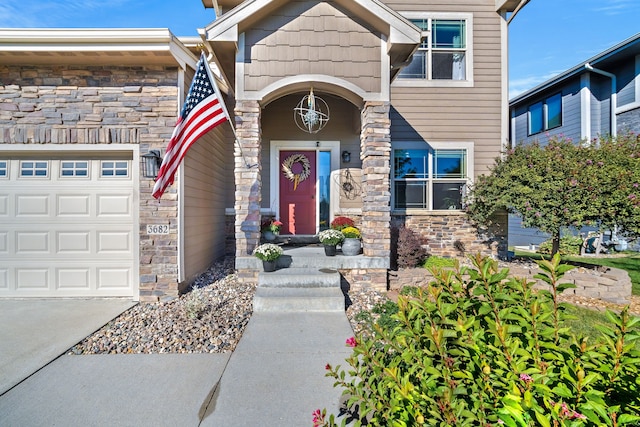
(202, 111)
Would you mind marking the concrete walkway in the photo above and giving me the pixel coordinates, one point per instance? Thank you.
(33, 332)
(275, 377)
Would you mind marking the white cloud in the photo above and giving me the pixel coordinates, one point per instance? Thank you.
(615, 7)
(52, 13)
(523, 84)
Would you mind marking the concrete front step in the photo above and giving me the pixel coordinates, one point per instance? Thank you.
(299, 289)
(298, 299)
(300, 278)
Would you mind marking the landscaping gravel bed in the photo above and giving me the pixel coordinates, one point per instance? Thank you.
(211, 318)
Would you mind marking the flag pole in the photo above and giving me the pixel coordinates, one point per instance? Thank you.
(224, 107)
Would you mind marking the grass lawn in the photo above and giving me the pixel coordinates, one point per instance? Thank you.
(629, 262)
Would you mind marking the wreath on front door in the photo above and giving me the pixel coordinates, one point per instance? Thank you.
(287, 169)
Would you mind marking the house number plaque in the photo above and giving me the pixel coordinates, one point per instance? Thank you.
(157, 229)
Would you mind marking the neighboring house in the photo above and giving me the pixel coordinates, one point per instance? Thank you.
(416, 93)
(577, 104)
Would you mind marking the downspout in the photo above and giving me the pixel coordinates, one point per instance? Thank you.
(614, 96)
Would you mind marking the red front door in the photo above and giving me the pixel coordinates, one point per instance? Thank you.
(298, 192)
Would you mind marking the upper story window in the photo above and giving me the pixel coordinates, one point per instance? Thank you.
(4, 169)
(444, 54)
(545, 115)
(430, 178)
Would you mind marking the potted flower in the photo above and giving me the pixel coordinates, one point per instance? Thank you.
(269, 254)
(270, 229)
(330, 238)
(351, 244)
(341, 222)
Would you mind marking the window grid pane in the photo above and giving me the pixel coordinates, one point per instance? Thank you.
(34, 168)
(4, 169)
(411, 164)
(536, 122)
(447, 195)
(114, 169)
(74, 168)
(450, 164)
(554, 111)
(449, 34)
(411, 194)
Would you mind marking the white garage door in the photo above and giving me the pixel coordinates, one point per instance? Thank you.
(66, 226)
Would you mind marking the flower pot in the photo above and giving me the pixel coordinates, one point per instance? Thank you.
(269, 266)
(351, 246)
(330, 250)
(269, 236)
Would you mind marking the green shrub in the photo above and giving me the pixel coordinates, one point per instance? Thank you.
(479, 348)
(439, 262)
(569, 245)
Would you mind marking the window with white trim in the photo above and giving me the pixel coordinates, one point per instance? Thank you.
(444, 51)
(425, 177)
(4, 169)
(114, 169)
(73, 168)
(34, 168)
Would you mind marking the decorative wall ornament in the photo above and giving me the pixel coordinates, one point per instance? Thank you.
(288, 165)
(349, 187)
(311, 114)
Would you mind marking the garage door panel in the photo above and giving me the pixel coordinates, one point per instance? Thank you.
(114, 204)
(4, 205)
(4, 242)
(114, 278)
(114, 241)
(73, 278)
(73, 205)
(4, 279)
(73, 242)
(33, 205)
(32, 278)
(32, 242)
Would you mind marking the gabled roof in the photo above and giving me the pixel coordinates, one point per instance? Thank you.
(627, 48)
(222, 34)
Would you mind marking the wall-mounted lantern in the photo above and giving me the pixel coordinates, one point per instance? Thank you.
(346, 156)
(151, 164)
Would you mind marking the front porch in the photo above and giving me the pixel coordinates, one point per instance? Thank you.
(355, 271)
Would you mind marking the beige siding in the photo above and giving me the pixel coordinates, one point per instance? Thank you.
(206, 187)
(457, 113)
(311, 38)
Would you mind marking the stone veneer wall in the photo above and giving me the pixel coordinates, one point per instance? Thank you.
(248, 183)
(443, 230)
(103, 105)
(375, 152)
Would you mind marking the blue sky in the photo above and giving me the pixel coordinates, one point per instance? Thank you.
(546, 37)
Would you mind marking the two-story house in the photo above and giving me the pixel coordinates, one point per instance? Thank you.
(600, 96)
(411, 98)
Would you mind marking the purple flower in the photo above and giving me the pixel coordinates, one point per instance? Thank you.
(351, 342)
(526, 378)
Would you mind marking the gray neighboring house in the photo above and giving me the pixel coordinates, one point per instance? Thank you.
(577, 104)
(417, 93)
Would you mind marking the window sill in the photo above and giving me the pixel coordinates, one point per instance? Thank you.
(400, 82)
(424, 212)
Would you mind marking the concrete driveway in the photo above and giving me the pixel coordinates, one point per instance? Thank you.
(34, 332)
